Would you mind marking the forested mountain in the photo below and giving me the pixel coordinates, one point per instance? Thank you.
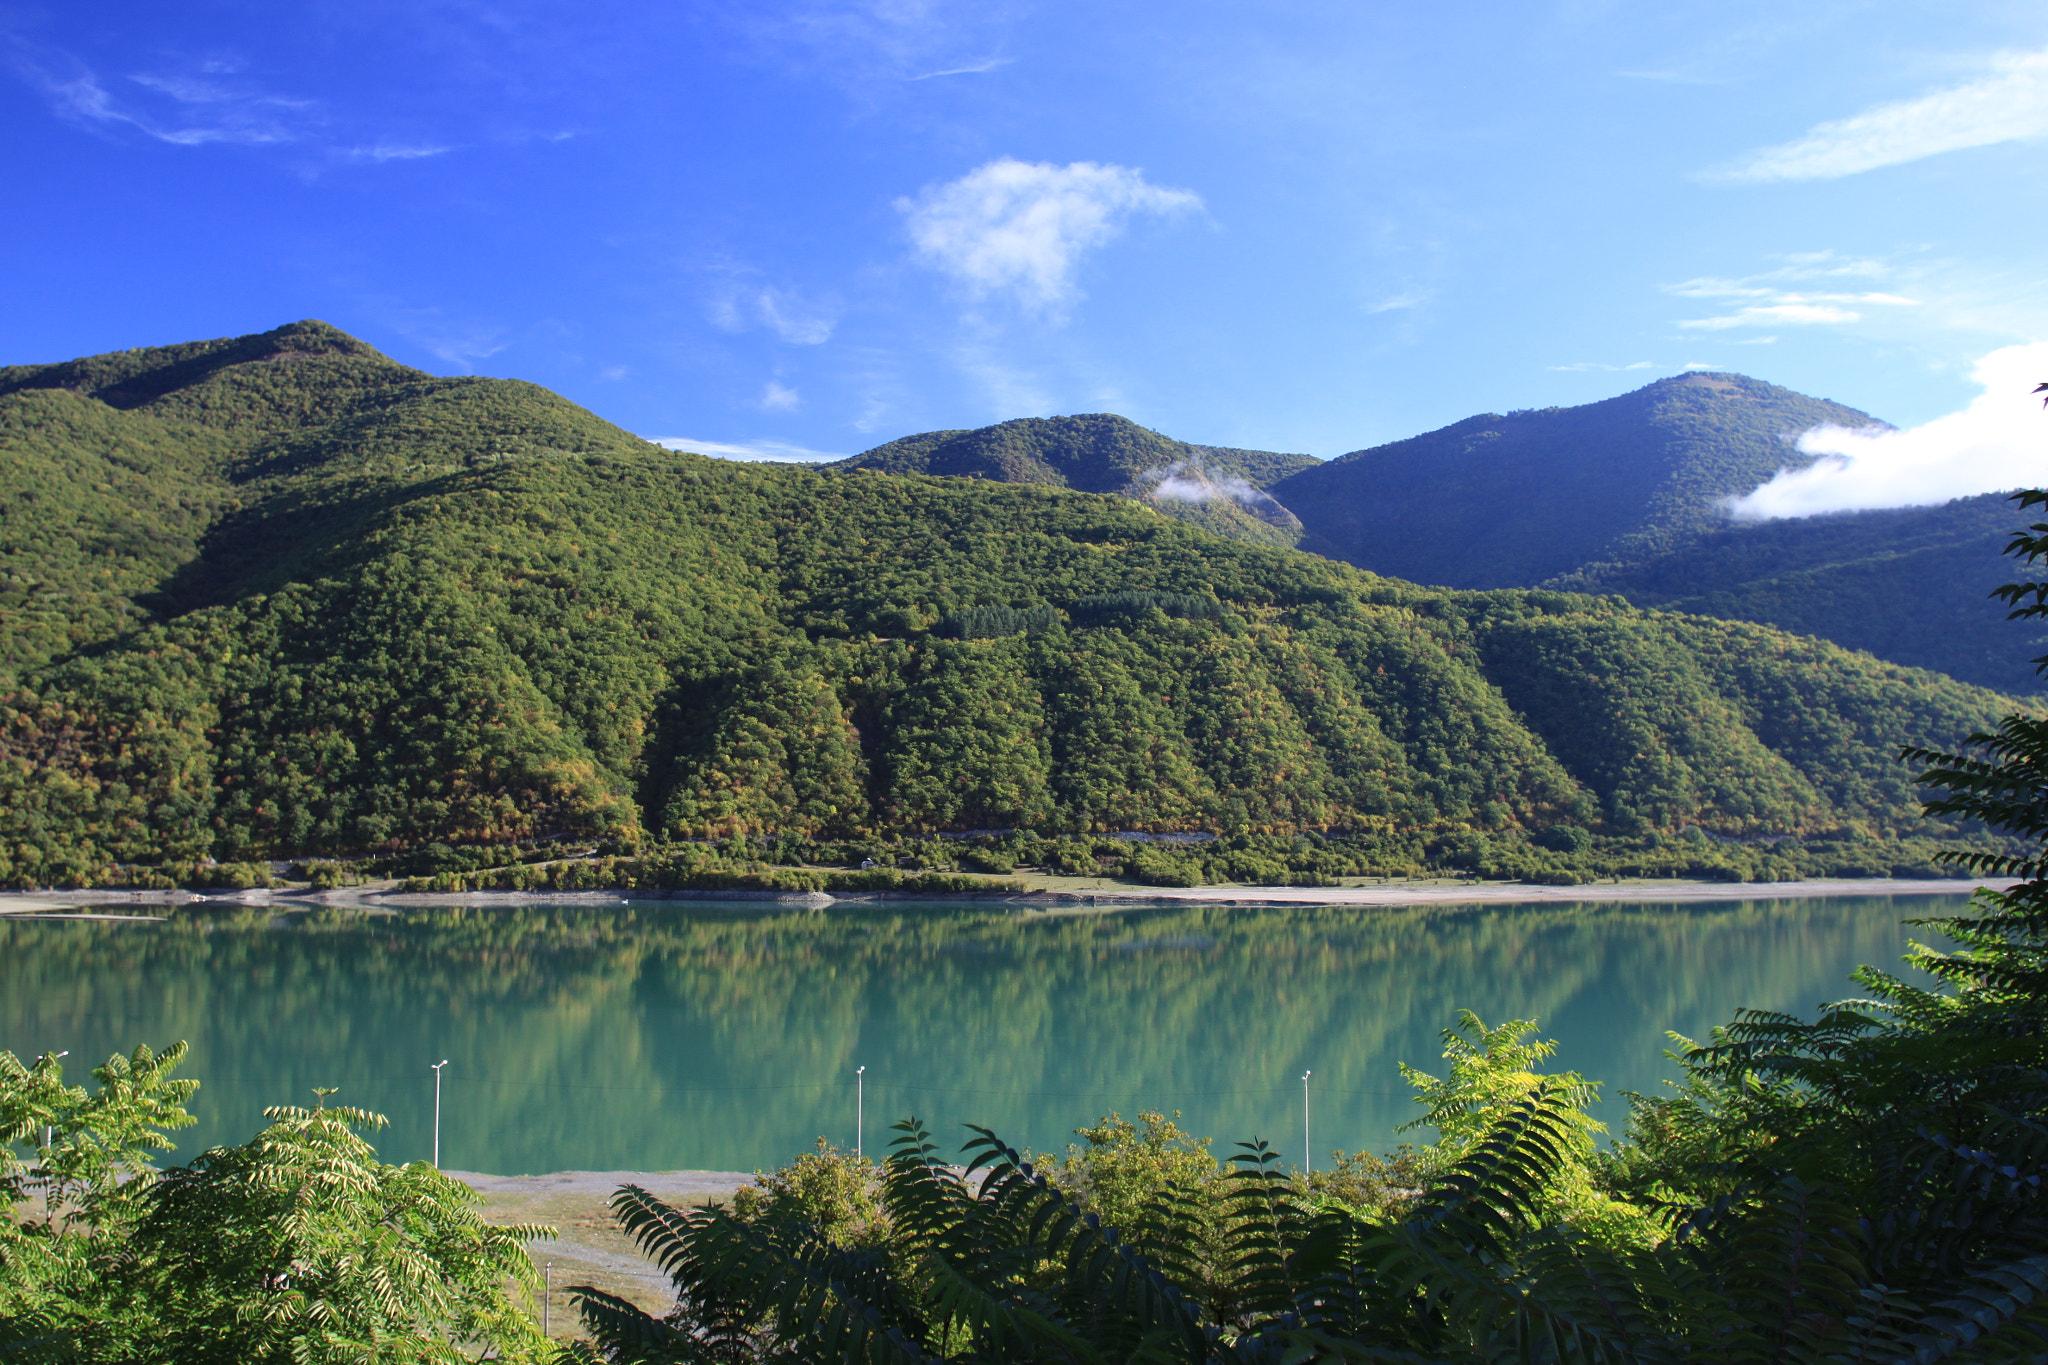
(1557, 489)
(279, 596)
(1626, 496)
(1215, 487)
(1909, 584)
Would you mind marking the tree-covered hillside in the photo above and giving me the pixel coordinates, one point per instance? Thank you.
(1626, 496)
(1909, 584)
(376, 610)
(1556, 489)
(1217, 488)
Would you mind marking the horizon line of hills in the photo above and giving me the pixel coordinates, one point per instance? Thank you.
(279, 596)
(1627, 495)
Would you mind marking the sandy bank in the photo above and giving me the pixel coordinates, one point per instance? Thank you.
(588, 1247)
(69, 904)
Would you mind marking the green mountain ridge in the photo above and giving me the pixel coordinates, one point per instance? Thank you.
(1629, 496)
(294, 599)
(1909, 584)
(1219, 488)
(1559, 488)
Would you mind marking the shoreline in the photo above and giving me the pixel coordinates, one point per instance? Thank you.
(71, 904)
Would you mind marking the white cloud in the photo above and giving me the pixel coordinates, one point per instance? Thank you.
(1189, 481)
(2010, 103)
(1784, 297)
(1797, 311)
(777, 398)
(1021, 227)
(1407, 298)
(385, 151)
(797, 320)
(1581, 365)
(205, 106)
(1999, 441)
(867, 46)
(779, 451)
(183, 110)
(454, 341)
(971, 69)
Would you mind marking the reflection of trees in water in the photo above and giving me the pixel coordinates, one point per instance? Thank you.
(662, 1036)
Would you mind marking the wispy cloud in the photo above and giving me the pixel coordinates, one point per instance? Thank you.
(779, 451)
(1582, 365)
(875, 50)
(800, 321)
(1786, 296)
(1020, 228)
(777, 398)
(971, 69)
(454, 342)
(185, 109)
(208, 104)
(384, 151)
(1407, 298)
(1996, 443)
(2008, 104)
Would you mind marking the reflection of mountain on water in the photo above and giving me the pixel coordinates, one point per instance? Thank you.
(661, 1037)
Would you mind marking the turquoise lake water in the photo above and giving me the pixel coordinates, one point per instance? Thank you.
(662, 1036)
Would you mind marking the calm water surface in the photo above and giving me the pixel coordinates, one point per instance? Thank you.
(655, 1036)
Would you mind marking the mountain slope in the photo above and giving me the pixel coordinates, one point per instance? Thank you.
(1909, 584)
(402, 610)
(1511, 501)
(1217, 488)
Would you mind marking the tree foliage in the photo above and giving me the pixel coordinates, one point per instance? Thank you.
(297, 1246)
(387, 612)
(1870, 1185)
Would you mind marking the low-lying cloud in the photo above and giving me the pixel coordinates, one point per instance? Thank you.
(1192, 485)
(1020, 228)
(1187, 481)
(1998, 442)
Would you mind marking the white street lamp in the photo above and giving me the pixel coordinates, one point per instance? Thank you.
(1308, 1160)
(49, 1133)
(860, 1110)
(436, 1069)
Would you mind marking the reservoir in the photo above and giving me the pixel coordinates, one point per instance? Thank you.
(669, 1036)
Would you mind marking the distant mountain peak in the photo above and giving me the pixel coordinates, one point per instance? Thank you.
(1219, 488)
(1512, 500)
(127, 379)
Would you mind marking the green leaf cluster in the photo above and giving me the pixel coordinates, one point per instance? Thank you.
(296, 1246)
(1871, 1185)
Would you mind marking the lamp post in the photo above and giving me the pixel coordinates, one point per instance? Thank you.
(49, 1133)
(1308, 1161)
(860, 1110)
(436, 1069)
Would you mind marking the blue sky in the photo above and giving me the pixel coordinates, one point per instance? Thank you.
(797, 225)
